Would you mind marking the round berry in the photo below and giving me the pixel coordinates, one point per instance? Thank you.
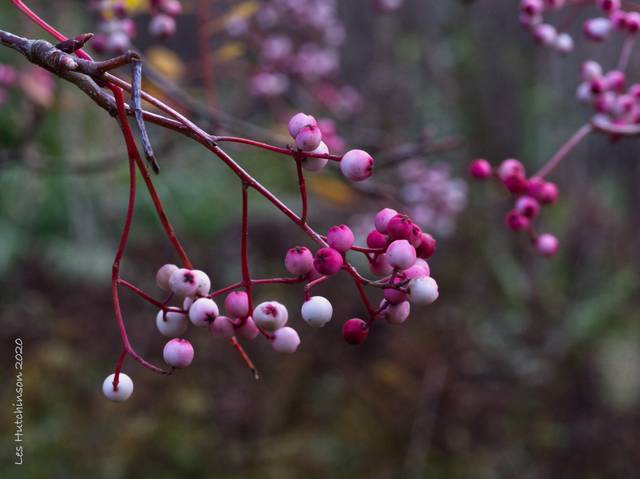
(162, 26)
(248, 329)
(340, 238)
(356, 165)
(516, 221)
(427, 247)
(510, 167)
(309, 138)
(316, 164)
(178, 353)
(423, 290)
(222, 327)
(528, 207)
(183, 282)
(203, 283)
(380, 265)
(398, 313)
(376, 240)
(317, 311)
(400, 227)
(416, 271)
(401, 254)
(163, 275)
(480, 169)
(547, 245)
(122, 391)
(395, 296)
(355, 331)
(298, 122)
(285, 340)
(328, 261)
(382, 219)
(270, 315)
(203, 312)
(236, 304)
(172, 323)
(298, 261)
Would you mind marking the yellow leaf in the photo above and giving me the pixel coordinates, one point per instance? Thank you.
(229, 51)
(330, 189)
(242, 11)
(166, 62)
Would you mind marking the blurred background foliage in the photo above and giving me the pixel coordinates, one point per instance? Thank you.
(525, 368)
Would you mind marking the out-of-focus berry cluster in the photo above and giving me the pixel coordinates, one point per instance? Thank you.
(297, 41)
(116, 29)
(531, 194)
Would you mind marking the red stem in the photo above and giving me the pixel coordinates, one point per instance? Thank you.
(276, 149)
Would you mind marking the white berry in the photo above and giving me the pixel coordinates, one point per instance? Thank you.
(203, 312)
(122, 391)
(423, 290)
(317, 311)
(171, 324)
(285, 340)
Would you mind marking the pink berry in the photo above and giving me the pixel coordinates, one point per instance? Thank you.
(183, 282)
(527, 206)
(427, 246)
(203, 283)
(270, 315)
(395, 296)
(423, 291)
(236, 304)
(298, 261)
(591, 70)
(545, 34)
(531, 7)
(316, 164)
(597, 29)
(548, 193)
(162, 26)
(609, 6)
(376, 240)
(178, 353)
(633, 22)
(510, 167)
(285, 340)
(163, 275)
(382, 219)
(222, 327)
(309, 138)
(248, 329)
(564, 43)
(416, 271)
(480, 169)
(340, 238)
(615, 80)
(171, 324)
(517, 222)
(416, 236)
(516, 184)
(328, 261)
(400, 227)
(401, 255)
(356, 165)
(380, 265)
(355, 331)
(298, 122)
(171, 7)
(547, 245)
(203, 312)
(398, 313)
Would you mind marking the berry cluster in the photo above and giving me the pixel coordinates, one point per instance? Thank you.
(615, 19)
(532, 19)
(531, 194)
(117, 29)
(296, 43)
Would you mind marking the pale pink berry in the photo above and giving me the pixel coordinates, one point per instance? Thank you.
(583, 93)
(122, 391)
(633, 22)
(236, 304)
(298, 261)
(162, 26)
(355, 331)
(270, 315)
(248, 329)
(564, 43)
(619, 20)
(183, 282)
(203, 283)
(531, 7)
(317, 311)
(395, 296)
(597, 29)
(427, 246)
(380, 265)
(382, 219)
(545, 34)
(356, 165)
(528, 206)
(171, 7)
(420, 262)
(328, 261)
(510, 167)
(397, 313)
(222, 327)
(400, 227)
(298, 122)
(548, 193)
(186, 304)
(615, 80)
(416, 271)
(340, 238)
(172, 323)
(178, 353)
(285, 340)
(517, 222)
(203, 312)
(547, 245)
(423, 290)
(376, 240)
(163, 275)
(316, 164)
(401, 254)
(309, 138)
(480, 169)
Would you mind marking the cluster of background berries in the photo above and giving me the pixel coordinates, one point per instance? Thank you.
(531, 194)
(615, 19)
(532, 18)
(116, 28)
